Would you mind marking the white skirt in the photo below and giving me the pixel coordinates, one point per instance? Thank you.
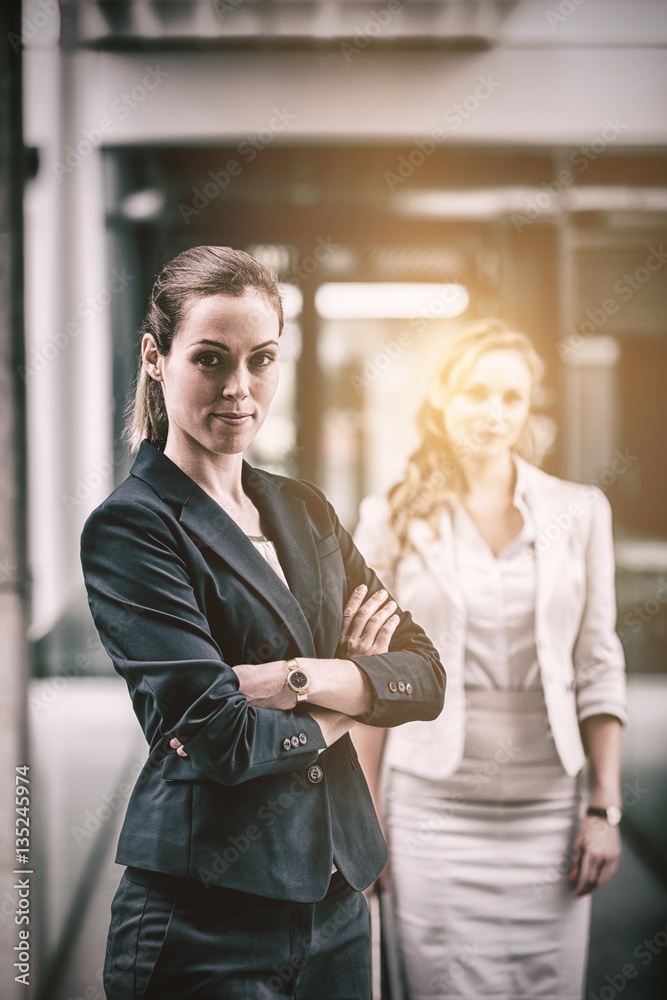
(480, 862)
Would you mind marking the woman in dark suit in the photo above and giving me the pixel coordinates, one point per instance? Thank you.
(250, 831)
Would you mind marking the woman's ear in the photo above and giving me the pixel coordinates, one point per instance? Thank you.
(151, 357)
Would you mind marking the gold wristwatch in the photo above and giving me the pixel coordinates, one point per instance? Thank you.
(297, 680)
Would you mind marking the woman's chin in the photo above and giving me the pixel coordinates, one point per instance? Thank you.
(229, 443)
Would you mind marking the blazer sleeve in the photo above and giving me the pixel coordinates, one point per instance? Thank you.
(599, 664)
(144, 606)
(408, 683)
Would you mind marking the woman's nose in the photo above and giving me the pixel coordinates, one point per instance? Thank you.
(495, 410)
(236, 384)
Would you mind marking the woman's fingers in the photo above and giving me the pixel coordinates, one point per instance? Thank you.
(365, 611)
(389, 627)
(358, 612)
(596, 870)
(355, 600)
(607, 870)
(383, 638)
(589, 875)
(352, 607)
(597, 850)
(360, 608)
(368, 623)
(378, 621)
(176, 745)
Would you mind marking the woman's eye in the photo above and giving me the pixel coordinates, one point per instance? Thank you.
(262, 360)
(476, 392)
(207, 360)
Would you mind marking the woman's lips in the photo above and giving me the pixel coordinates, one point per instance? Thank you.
(486, 436)
(233, 419)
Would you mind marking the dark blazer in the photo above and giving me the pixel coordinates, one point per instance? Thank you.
(179, 595)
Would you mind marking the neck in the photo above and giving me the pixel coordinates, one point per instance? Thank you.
(218, 475)
(489, 475)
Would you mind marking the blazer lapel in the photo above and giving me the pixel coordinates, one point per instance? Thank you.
(438, 555)
(551, 542)
(203, 517)
(287, 526)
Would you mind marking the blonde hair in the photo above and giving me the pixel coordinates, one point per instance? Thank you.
(433, 475)
(195, 273)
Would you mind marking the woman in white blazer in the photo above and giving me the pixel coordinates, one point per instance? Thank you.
(510, 571)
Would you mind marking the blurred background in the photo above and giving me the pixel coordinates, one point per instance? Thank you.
(404, 166)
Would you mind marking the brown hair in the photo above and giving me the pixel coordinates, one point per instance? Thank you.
(193, 274)
(433, 474)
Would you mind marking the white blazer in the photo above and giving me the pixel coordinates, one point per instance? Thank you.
(580, 656)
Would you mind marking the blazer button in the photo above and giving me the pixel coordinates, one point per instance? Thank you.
(393, 687)
(408, 688)
(315, 774)
(303, 739)
(401, 687)
(295, 741)
(287, 743)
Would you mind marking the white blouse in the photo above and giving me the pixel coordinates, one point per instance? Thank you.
(266, 548)
(498, 593)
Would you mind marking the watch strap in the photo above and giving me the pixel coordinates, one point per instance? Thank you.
(603, 813)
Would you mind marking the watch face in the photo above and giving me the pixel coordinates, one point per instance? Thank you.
(613, 815)
(298, 680)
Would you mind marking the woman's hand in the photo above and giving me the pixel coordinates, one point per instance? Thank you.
(368, 625)
(597, 847)
(596, 851)
(176, 745)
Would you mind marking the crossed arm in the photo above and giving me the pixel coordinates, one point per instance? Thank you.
(149, 595)
(337, 689)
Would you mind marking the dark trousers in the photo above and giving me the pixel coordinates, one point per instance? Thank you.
(169, 942)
